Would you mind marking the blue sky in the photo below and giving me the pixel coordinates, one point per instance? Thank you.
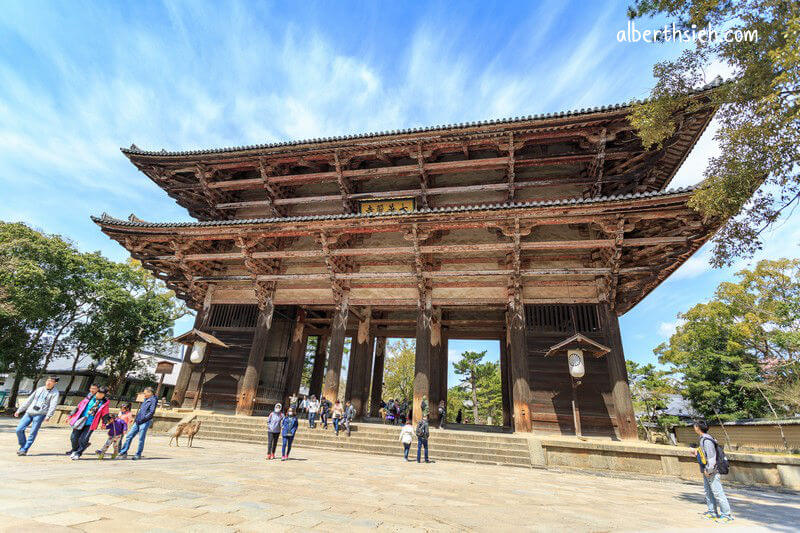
(79, 80)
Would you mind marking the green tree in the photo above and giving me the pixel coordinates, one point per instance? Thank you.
(759, 112)
(651, 389)
(398, 373)
(477, 377)
(308, 362)
(47, 287)
(134, 310)
(739, 351)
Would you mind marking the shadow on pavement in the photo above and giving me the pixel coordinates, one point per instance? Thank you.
(777, 517)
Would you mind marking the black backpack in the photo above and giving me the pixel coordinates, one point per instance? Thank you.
(422, 430)
(723, 465)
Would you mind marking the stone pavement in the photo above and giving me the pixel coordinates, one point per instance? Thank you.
(221, 486)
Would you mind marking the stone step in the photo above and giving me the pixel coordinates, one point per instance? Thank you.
(343, 440)
(384, 438)
(387, 439)
(366, 429)
(435, 454)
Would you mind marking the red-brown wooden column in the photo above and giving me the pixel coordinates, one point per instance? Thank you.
(428, 339)
(332, 374)
(297, 356)
(249, 386)
(517, 351)
(505, 384)
(620, 390)
(438, 379)
(318, 371)
(357, 370)
(377, 377)
(185, 374)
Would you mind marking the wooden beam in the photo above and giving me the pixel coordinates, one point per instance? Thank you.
(511, 161)
(423, 177)
(443, 167)
(344, 184)
(187, 368)
(422, 358)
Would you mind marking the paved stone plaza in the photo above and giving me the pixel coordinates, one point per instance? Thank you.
(230, 487)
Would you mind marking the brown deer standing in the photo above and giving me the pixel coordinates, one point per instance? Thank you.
(189, 429)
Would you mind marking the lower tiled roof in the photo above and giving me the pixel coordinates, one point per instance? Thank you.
(136, 223)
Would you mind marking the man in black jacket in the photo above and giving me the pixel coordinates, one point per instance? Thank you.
(142, 422)
(423, 432)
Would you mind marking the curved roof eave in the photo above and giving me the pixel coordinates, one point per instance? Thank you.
(135, 150)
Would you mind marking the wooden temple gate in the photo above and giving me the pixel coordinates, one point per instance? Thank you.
(527, 230)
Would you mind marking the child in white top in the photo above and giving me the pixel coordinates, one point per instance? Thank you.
(406, 436)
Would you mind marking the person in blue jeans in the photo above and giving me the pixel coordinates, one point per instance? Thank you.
(423, 432)
(707, 458)
(39, 406)
(144, 417)
(289, 425)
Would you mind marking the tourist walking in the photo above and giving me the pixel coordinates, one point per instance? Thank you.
(116, 429)
(338, 412)
(303, 407)
(406, 437)
(85, 419)
(349, 416)
(390, 412)
(325, 410)
(289, 429)
(313, 409)
(274, 424)
(712, 465)
(125, 413)
(442, 413)
(424, 407)
(142, 422)
(423, 432)
(39, 406)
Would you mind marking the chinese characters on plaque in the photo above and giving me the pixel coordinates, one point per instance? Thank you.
(396, 205)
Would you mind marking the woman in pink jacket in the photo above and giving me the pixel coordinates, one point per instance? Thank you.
(87, 417)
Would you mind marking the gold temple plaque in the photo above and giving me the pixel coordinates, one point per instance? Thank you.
(394, 205)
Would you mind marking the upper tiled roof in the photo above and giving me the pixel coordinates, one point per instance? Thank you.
(136, 223)
(135, 150)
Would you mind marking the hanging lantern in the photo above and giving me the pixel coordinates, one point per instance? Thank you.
(198, 352)
(575, 360)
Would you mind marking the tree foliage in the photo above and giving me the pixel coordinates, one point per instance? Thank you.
(56, 300)
(741, 349)
(651, 390)
(480, 387)
(398, 373)
(756, 177)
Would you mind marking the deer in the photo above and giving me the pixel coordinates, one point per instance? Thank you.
(189, 429)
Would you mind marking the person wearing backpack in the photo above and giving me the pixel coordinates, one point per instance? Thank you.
(423, 432)
(713, 464)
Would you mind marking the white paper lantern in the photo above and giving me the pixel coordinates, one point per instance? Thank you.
(575, 361)
(198, 352)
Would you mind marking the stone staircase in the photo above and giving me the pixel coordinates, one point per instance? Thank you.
(444, 445)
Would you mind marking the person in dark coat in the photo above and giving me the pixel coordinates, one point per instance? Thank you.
(289, 429)
(142, 422)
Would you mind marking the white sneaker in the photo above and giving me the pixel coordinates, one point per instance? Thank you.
(74, 456)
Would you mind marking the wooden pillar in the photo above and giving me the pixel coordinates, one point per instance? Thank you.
(505, 385)
(360, 357)
(428, 338)
(377, 377)
(338, 327)
(187, 368)
(620, 391)
(367, 374)
(297, 356)
(438, 378)
(517, 350)
(249, 385)
(318, 372)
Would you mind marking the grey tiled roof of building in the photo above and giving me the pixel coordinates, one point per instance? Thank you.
(135, 150)
(105, 218)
